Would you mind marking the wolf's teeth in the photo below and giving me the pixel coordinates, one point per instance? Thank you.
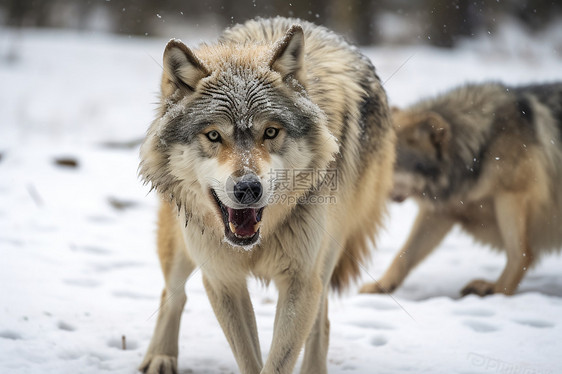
(257, 226)
(232, 227)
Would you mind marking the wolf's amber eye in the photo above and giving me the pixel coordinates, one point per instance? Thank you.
(214, 136)
(270, 133)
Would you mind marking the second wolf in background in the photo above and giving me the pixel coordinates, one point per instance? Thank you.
(488, 157)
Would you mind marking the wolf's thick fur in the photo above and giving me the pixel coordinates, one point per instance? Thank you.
(278, 94)
(488, 157)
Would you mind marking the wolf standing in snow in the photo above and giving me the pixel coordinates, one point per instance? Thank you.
(279, 95)
(488, 157)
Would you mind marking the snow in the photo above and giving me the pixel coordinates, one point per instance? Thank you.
(79, 269)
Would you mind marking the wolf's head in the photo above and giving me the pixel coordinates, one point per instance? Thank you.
(230, 114)
(422, 154)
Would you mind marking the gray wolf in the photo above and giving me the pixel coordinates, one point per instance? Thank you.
(278, 95)
(487, 157)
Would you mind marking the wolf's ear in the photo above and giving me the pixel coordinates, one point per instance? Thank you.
(181, 67)
(288, 54)
(437, 130)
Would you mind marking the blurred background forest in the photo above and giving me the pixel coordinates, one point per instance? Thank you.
(440, 23)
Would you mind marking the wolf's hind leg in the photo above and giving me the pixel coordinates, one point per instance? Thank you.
(162, 353)
(429, 230)
(511, 215)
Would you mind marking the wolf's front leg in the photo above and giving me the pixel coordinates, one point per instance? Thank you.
(429, 230)
(162, 354)
(315, 358)
(232, 305)
(297, 309)
(316, 348)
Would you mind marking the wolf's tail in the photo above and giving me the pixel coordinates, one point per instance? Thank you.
(348, 269)
(549, 95)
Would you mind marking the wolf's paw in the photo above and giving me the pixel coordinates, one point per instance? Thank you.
(159, 364)
(376, 287)
(479, 287)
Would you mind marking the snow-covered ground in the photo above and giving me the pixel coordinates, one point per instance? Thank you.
(78, 268)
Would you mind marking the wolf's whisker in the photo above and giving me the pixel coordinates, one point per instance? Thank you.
(153, 59)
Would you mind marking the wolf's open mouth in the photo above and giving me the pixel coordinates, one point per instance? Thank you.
(241, 226)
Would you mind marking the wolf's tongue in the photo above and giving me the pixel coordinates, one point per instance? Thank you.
(243, 222)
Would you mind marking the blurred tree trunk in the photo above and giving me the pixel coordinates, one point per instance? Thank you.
(311, 10)
(355, 19)
(365, 32)
(23, 13)
(536, 13)
(450, 19)
(232, 11)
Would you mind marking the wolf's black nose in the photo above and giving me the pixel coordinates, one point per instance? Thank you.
(248, 190)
